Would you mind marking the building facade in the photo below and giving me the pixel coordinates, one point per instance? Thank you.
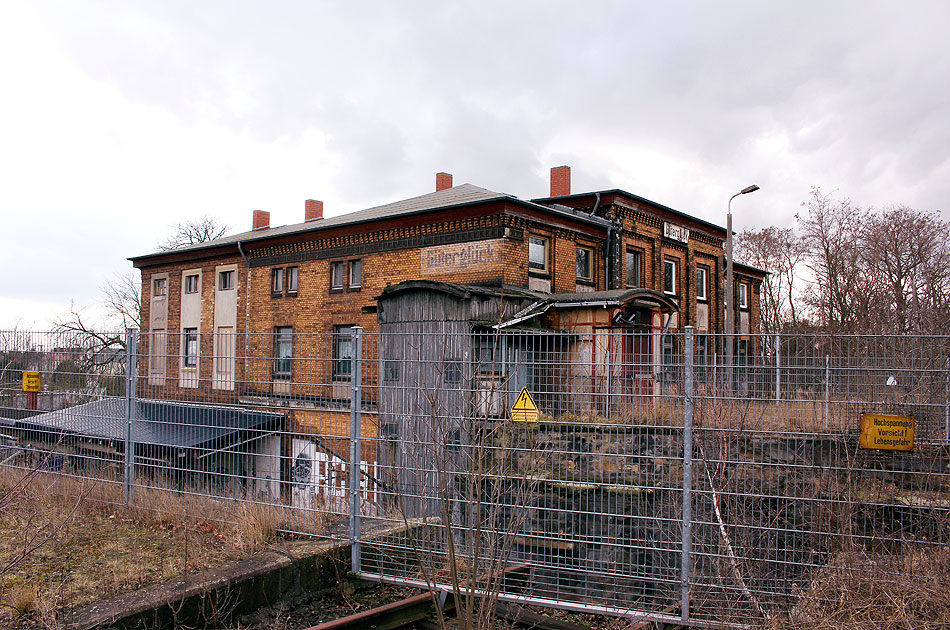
(266, 314)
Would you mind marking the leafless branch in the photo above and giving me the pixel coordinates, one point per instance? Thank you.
(193, 232)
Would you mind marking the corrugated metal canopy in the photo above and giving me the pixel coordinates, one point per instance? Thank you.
(155, 423)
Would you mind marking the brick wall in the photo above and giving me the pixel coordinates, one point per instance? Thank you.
(473, 248)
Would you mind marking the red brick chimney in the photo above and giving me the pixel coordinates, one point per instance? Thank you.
(443, 181)
(313, 210)
(261, 220)
(560, 181)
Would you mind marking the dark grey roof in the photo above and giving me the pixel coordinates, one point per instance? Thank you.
(739, 267)
(462, 195)
(154, 423)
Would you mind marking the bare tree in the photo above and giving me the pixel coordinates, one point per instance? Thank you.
(779, 251)
(122, 297)
(100, 342)
(905, 254)
(875, 270)
(194, 232)
(831, 229)
(102, 338)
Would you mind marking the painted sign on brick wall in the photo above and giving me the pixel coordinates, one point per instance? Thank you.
(443, 259)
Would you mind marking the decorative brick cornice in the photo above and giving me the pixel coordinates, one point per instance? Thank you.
(448, 232)
(554, 230)
(643, 218)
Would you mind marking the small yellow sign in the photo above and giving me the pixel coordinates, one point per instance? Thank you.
(886, 432)
(31, 381)
(525, 409)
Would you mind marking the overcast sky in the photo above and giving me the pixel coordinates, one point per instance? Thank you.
(120, 119)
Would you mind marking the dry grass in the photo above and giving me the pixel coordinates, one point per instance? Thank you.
(90, 546)
(713, 412)
(876, 592)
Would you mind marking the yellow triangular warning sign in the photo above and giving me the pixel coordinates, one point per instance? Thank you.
(525, 409)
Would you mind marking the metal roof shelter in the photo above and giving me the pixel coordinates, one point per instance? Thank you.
(535, 303)
(155, 423)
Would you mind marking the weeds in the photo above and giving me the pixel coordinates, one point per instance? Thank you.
(865, 592)
(85, 544)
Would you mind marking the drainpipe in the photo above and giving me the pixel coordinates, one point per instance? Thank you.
(596, 205)
(608, 251)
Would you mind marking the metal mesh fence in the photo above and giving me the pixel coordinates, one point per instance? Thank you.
(639, 477)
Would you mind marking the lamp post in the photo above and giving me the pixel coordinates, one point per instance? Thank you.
(730, 310)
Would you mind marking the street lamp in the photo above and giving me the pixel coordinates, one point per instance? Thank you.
(730, 311)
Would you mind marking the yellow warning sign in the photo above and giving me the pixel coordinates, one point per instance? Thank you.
(886, 432)
(525, 409)
(31, 381)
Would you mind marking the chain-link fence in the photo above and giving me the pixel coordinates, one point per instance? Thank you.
(610, 470)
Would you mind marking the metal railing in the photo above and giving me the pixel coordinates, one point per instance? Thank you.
(653, 481)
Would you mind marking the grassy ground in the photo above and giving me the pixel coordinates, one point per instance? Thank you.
(882, 592)
(65, 542)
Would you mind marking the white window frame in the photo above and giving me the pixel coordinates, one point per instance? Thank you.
(342, 345)
(337, 283)
(283, 341)
(188, 281)
(669, 263)
(228, 274)
(743, 295)
(292, 280)
(590, 264)
(702, 283)
(635, 255)
(355, 279)
(187, 355)
(544, 243)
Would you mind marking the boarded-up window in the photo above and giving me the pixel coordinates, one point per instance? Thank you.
(224, 345)
(157, 355)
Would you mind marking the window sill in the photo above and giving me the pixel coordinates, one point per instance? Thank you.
(587, 282)
(535, 273)
(291, 294)
(276, 295)
(354, 289)
(336, 290)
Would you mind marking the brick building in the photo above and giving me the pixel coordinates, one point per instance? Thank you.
(223, 320)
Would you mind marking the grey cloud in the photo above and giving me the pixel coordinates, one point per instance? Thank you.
(859, 90)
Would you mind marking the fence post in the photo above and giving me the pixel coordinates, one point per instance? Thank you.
(778, 367)
(827, 392)
(687, 473)
(131, 370)
(356, 403)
